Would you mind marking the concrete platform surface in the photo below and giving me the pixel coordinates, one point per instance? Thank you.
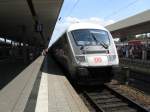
(14, 96)
(56, 93)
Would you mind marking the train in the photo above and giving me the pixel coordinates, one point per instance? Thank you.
(87, 51)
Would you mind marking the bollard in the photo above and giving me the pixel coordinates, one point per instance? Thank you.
(125, 75)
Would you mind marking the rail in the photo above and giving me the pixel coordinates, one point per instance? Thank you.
(108, 100)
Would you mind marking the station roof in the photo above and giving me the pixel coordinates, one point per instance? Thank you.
(133, 25)
(19, 18)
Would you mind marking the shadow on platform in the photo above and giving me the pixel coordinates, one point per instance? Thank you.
(51, 67)
(9, 70)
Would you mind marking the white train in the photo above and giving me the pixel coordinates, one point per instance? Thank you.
(88, 52)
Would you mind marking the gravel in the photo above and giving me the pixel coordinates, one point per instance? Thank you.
(133, 93)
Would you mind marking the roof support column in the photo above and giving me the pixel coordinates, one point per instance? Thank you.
(36, 19)
(144, 51)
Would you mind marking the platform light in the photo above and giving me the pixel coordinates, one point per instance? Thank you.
(21, 44)
(2, 39)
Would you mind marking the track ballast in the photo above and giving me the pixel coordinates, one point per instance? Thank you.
(108, 100)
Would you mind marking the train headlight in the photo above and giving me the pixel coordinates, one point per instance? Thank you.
(80, 58)
(111, 57)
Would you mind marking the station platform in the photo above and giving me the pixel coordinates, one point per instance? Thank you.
(40, 87)
(56, 93)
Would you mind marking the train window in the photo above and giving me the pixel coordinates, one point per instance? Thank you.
(90, 37)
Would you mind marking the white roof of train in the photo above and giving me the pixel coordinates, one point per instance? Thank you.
(85, 26)
(80, 25)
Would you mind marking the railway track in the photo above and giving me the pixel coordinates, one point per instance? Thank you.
(108, 100)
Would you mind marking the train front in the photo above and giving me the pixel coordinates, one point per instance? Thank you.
(95, 54)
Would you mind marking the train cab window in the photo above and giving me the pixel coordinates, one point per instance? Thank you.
(90, 37)
(82, 37)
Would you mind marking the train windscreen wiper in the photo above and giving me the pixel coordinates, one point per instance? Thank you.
(82, 47)
(104, 44)
(99, 42)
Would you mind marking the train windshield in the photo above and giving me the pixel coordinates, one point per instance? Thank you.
(88, 37)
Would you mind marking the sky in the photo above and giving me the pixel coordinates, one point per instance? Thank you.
(103, 12)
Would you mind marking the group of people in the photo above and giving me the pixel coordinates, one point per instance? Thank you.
(20, 53)
(132, 51)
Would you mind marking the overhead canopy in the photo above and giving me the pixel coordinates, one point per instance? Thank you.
(133, 25)
(20, 18)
